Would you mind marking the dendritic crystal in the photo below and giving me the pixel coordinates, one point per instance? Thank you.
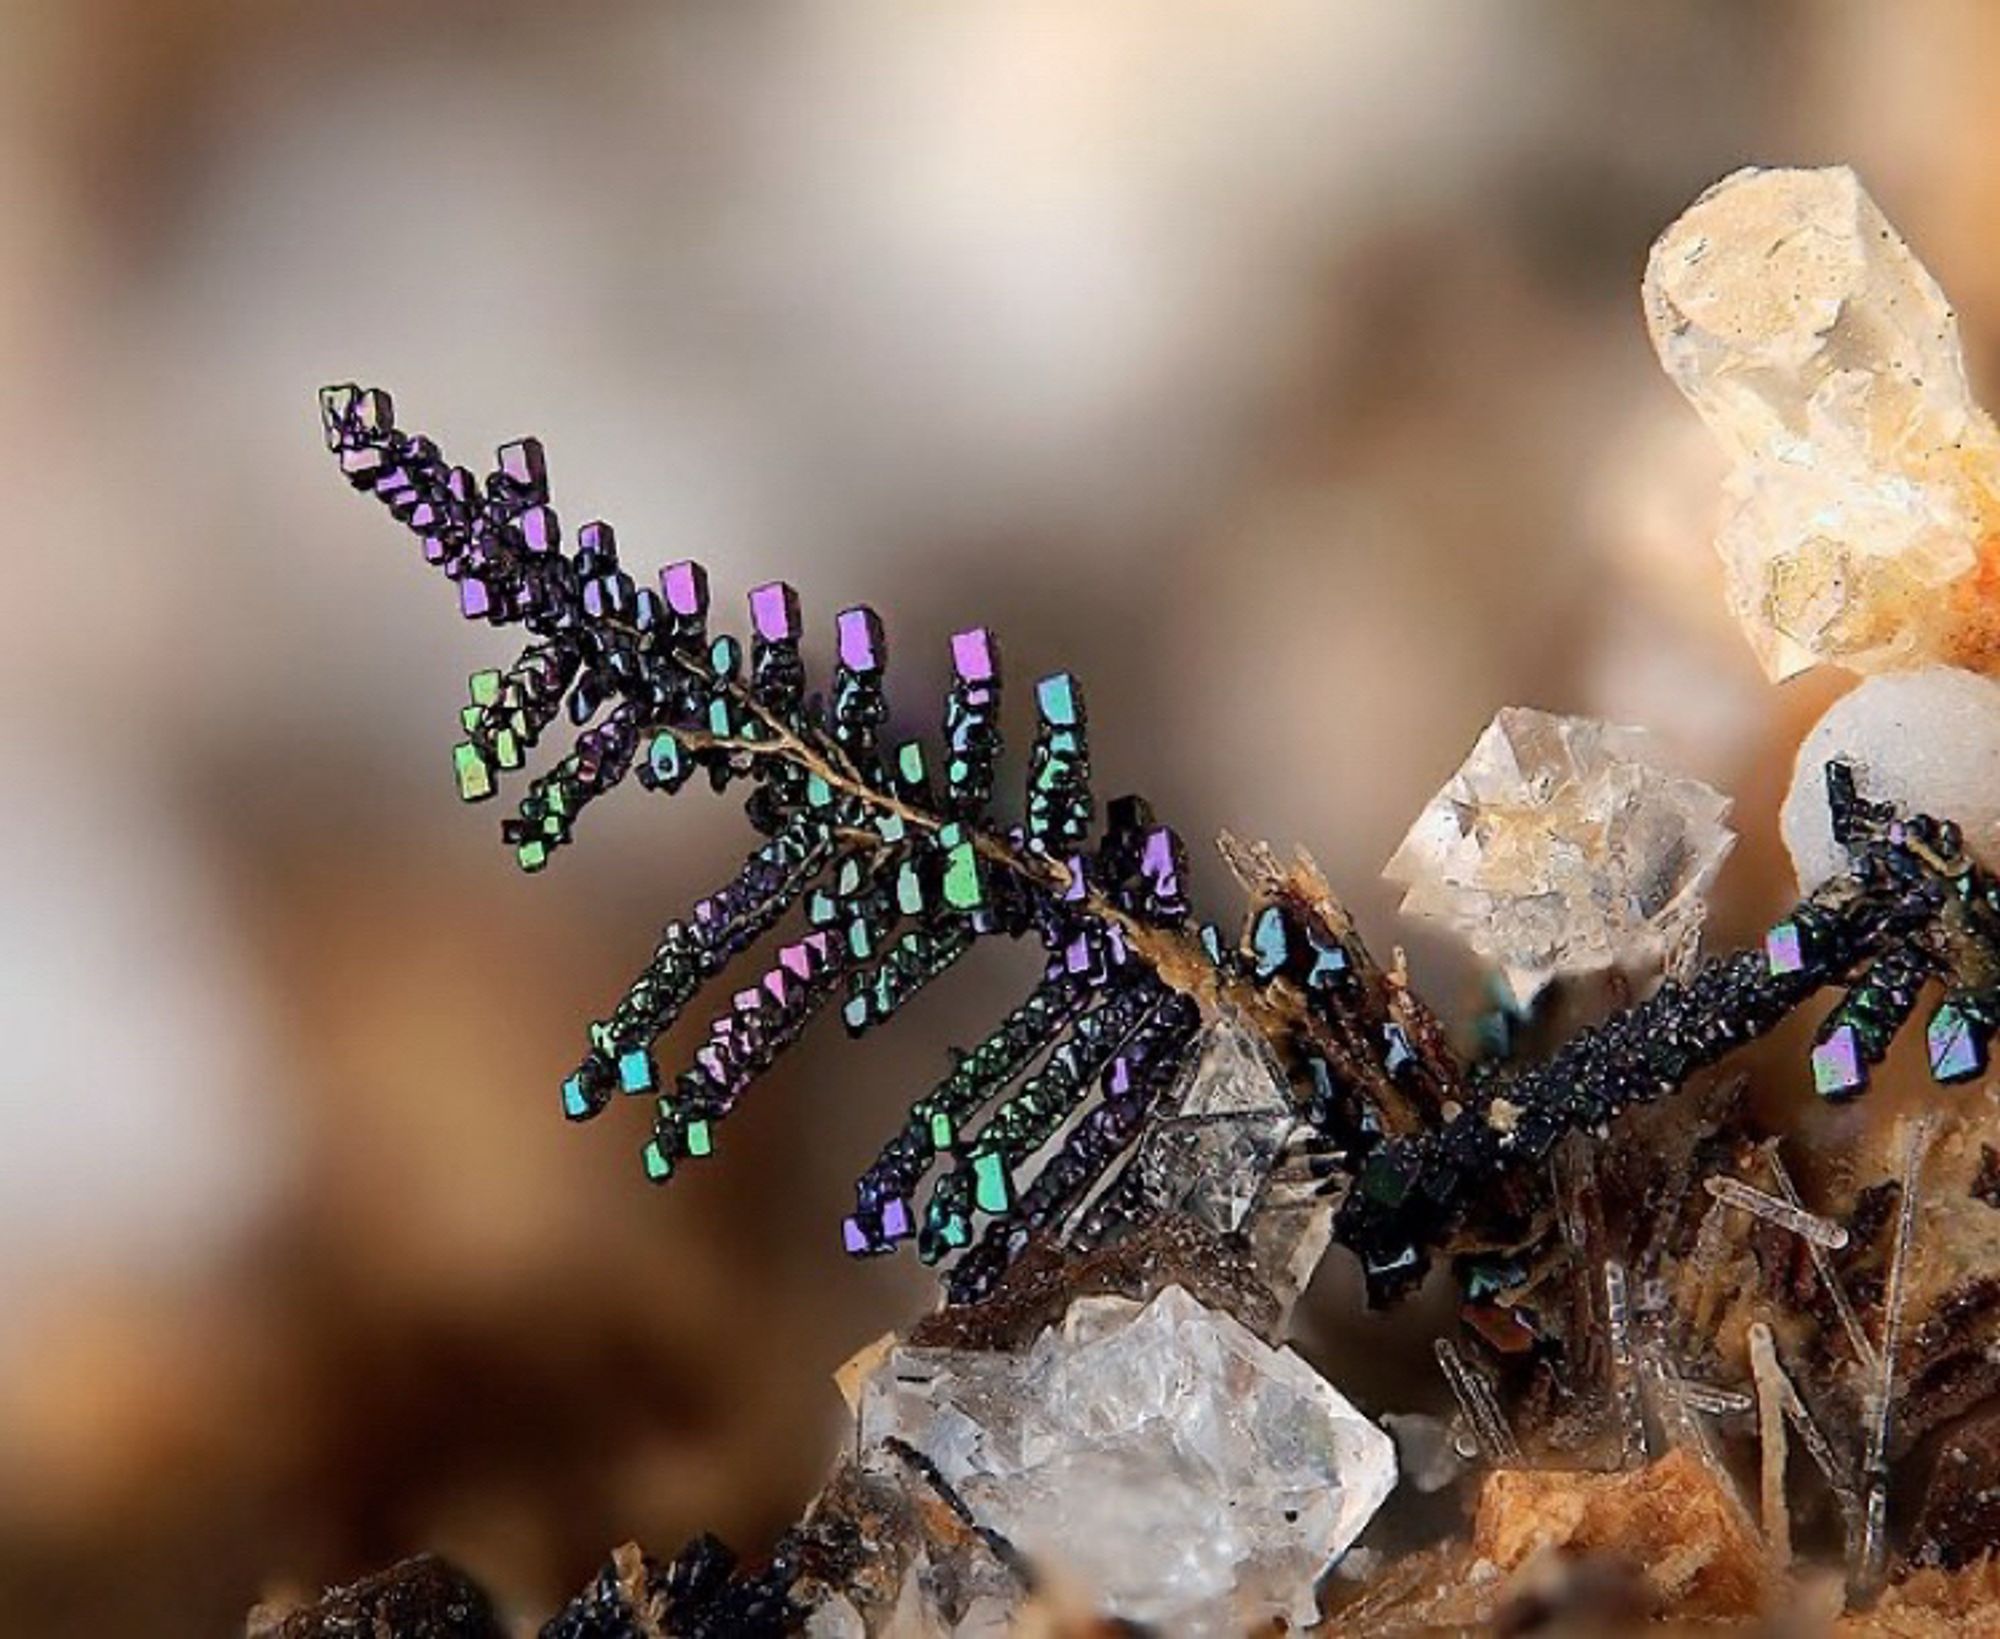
(1561, 846)
(1189, 1474)
(1928, 741)
(1862, 506)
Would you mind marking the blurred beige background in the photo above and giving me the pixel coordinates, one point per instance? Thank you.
(1275, 363)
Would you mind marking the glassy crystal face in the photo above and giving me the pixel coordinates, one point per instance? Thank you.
(1211, 1152)
(1219, 1149)
(1190, 1475)
(922, 1575)
(1862, 513)
(1560, 846)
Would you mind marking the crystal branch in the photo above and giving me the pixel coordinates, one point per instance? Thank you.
(1625, 1403)
(1881, 1401)
(1769, 1378)
(1864, 1351)
(1481, 1407)
(1823, 1232)
(902, 871)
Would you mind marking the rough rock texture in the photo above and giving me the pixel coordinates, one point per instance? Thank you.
(1959, 1522)
(421, 1598)
(919, 1567)
(1701, 1554)
(1040, 1285)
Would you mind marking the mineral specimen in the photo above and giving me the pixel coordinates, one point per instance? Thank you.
(919, 1567)
(1223, 1151)
(1210, 1153)
(1189, 1474)
(421, 1598)
(1928, 741)
(1704, 1559)
(1862, 504)
(1561, 847)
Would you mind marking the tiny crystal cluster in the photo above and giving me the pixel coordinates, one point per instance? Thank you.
(1561, 846)
(1103, 1446)
(894, 862)
(1864, 493)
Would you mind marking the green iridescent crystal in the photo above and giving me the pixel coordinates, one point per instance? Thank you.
(964, 886)
(992, 1189)
(475, 779)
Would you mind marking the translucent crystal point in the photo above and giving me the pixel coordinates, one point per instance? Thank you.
(1561, 846)
(1209, 1153)
(1190, 1475)
(1862, 511)
(1220, 1149)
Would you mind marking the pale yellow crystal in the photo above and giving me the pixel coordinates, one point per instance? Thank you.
(1561, 846)
(1862, 509)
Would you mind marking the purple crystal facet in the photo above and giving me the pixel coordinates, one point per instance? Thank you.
(522, 463)
(1837, 1066)
(860, 636)
(539, 530)
(774, 612)
(685, 587)
(975, 656)
(1784, 951)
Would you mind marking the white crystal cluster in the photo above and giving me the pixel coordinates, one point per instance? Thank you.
(1862, 510)
(1162, 1456)
(1927, 741)
(1561, 846)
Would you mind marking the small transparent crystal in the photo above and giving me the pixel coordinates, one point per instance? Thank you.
(1862, 511)
(1220, 1149)
(1561, 846)
(1187, 1473)
(1210, 1153)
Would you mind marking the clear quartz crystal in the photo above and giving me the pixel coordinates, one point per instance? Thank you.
(1210, 1153)
(1560, 846)
(1187, 1473)
(1222, 1148)
(1824, 358)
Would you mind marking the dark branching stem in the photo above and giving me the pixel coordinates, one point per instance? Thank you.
(899, 868)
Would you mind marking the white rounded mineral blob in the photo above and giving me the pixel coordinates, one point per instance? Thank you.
(1928, 741)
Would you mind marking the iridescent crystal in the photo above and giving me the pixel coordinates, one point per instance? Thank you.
(1561, 846)
(1862, 507)
(1189, 1475)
